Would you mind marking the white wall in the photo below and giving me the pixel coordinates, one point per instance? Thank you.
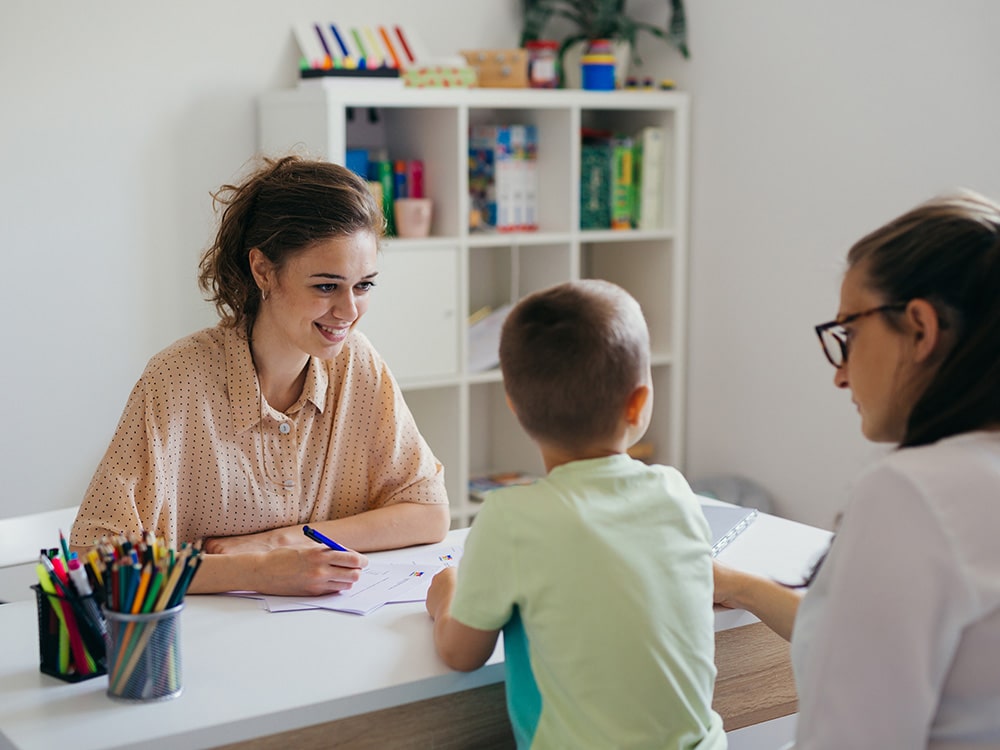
(812, 124)
(116, 120)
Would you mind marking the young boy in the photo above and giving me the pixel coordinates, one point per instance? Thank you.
(599, 574)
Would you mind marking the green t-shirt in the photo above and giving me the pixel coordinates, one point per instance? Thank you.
(600, 575)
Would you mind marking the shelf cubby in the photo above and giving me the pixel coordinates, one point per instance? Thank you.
(427, 288)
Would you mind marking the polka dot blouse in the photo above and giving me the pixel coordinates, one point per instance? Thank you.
(199, 453)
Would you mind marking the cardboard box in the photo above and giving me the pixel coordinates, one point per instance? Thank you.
(499, 68)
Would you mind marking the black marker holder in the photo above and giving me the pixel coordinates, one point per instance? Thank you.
(49, 625)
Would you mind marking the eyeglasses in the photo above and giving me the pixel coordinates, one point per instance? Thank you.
(833, 336)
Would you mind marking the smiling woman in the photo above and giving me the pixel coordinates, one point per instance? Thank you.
(283, 414)
(313, 301)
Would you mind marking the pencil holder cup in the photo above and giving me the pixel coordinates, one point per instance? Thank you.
(144, 656)
(413, 216)
(70, 645)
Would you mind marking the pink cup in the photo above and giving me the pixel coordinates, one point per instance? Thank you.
(413, 216)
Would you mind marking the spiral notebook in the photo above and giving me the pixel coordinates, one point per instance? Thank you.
(726, 522)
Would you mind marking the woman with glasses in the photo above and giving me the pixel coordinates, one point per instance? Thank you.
(283, 414)
(896, 644)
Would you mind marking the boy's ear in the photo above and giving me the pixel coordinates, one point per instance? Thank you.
(509, 404)
(636, 401)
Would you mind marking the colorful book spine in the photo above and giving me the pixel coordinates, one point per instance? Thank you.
(524, 148)
(506, 179)
(650, 163)
(386, 178)
(595, 185)
(483, 176)
(623, 184)
(415, 178)
(503, 177)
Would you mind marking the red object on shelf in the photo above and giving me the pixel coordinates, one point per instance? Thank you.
(542, 71)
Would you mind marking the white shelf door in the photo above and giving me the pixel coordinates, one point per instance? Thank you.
(413, 316)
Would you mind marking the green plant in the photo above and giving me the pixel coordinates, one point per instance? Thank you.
(601, 19)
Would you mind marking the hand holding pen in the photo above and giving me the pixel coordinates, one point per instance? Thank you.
(342, 572)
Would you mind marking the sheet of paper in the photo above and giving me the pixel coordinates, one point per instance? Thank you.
(380, 584)
(402, 575)
(437, 554)
(484, 340)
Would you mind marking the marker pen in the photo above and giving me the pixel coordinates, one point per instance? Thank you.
(78, 576)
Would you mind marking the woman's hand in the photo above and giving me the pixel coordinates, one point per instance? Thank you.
(311, 570)
(307, 571)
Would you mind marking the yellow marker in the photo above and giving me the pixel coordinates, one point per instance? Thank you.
(374, 56)
(46, 583)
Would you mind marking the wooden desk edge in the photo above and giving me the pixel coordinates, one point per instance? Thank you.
(754, 684)
(754, 681)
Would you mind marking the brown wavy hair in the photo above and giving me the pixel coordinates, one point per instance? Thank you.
(282, 207)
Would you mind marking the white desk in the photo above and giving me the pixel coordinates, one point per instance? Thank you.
(248, 673)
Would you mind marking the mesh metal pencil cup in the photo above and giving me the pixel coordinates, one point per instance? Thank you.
(144, 658)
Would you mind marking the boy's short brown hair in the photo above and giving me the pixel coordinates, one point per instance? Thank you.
(571, 355)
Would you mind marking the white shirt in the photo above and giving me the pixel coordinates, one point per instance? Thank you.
(897, 644)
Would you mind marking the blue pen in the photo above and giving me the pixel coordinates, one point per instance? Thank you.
(317, 537)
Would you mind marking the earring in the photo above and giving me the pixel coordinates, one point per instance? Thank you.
(263, 295)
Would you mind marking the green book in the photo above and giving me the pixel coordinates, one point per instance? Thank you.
(386, 178)
(623, 184)
(595, 186)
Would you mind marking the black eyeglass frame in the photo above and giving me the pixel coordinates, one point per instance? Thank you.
(840, 323)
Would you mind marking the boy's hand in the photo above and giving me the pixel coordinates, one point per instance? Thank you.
(728, 584)
(441, 592)
(458, 645)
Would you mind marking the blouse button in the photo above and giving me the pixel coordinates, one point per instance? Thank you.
(284, 428)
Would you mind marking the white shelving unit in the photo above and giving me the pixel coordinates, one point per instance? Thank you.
(428, 287)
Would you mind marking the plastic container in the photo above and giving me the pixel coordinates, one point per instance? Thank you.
(542, 70)
(598, 72)
(600, 47)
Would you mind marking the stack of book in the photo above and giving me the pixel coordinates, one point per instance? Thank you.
(388, 179)
(622, 179)
(503, 178)
(482, 485)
